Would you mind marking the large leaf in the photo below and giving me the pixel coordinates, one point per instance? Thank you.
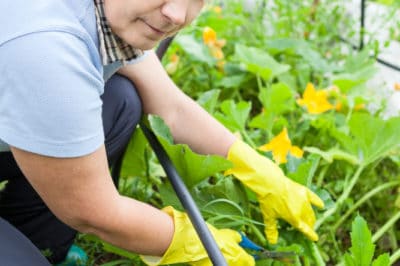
(357, 69)
(209, 100)
(370, 137)
(221, 203)
(192, 167)
(276, 100)
(194, 48)
(234, 116)
(382, 260)
(362, 249)
(134, 163)
(259, 62)
(302, 49)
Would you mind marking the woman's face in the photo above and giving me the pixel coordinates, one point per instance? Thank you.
(143, 23)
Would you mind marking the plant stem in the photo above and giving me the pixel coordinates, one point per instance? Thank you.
(363, 199)
(395, 257)
(258, 234)
(248, 139)
(341, 199)
(386, 227)
(316, 254)
(321, 175)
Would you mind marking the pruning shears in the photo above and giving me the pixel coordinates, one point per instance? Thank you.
(260, 253)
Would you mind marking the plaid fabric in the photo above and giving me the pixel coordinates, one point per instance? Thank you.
(112, 48)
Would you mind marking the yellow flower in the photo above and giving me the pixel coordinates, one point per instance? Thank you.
(217, 9)
(360, 106)
(281, 146)
(339, 106)
(315, 101)
(209, 36)
(215, 45)
(397, 86)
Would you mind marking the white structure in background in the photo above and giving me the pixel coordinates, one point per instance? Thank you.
(376, 21)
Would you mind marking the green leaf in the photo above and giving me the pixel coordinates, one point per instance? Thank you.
(222, 202)
(382, 260)
(232, 81)
(357, 69)
(168, 196)
(192, 168)
(193, 47)
(134, 163)
(302, 170)
(234, 116)
(362, 248)
(348, 81)
(277, 99)
(300, 48)
(259, 62)
(349, 260)
(160, 128)
(370, 138)
(209, 100)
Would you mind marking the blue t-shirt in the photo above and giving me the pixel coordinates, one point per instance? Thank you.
(51, 77)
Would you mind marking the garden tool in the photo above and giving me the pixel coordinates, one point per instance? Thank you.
(260, 253)
(182, 192)
(186, 199)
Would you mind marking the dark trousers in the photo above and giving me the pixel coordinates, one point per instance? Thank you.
(22, 207)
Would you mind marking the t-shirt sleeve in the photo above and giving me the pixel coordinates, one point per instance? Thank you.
(50, 92)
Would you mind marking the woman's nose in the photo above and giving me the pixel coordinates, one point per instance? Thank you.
(175, 11)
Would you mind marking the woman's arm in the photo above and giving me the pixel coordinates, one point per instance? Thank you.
(80, 192)
(188, 121)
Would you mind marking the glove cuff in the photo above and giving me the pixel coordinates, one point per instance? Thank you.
(251, 168)
(176, 253)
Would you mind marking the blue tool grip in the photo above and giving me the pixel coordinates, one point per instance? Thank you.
(247, 243)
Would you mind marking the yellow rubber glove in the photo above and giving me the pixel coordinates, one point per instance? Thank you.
(279, 197)
(187, 247)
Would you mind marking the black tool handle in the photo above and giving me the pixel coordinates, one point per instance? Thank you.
(186, 199)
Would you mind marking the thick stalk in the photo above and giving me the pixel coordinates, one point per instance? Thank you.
(366, 197)
(316, 254)
(386, 227)
(395, 257)
(341, 199)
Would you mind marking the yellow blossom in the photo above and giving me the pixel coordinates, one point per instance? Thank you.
(217, 9)
(360, 106)
(281, 146)
(215, 46)
(209, 36)
(316, 101)
(397, 86)
(339, 106)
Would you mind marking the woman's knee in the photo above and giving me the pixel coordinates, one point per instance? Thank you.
(121, 102)
(122, 111)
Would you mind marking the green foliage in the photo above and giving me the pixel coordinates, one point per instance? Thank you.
(270, 55)
(193, 168)
(362, 249)
(259, 62)
(371, 138)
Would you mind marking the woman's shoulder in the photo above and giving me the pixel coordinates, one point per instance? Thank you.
(19, 17)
